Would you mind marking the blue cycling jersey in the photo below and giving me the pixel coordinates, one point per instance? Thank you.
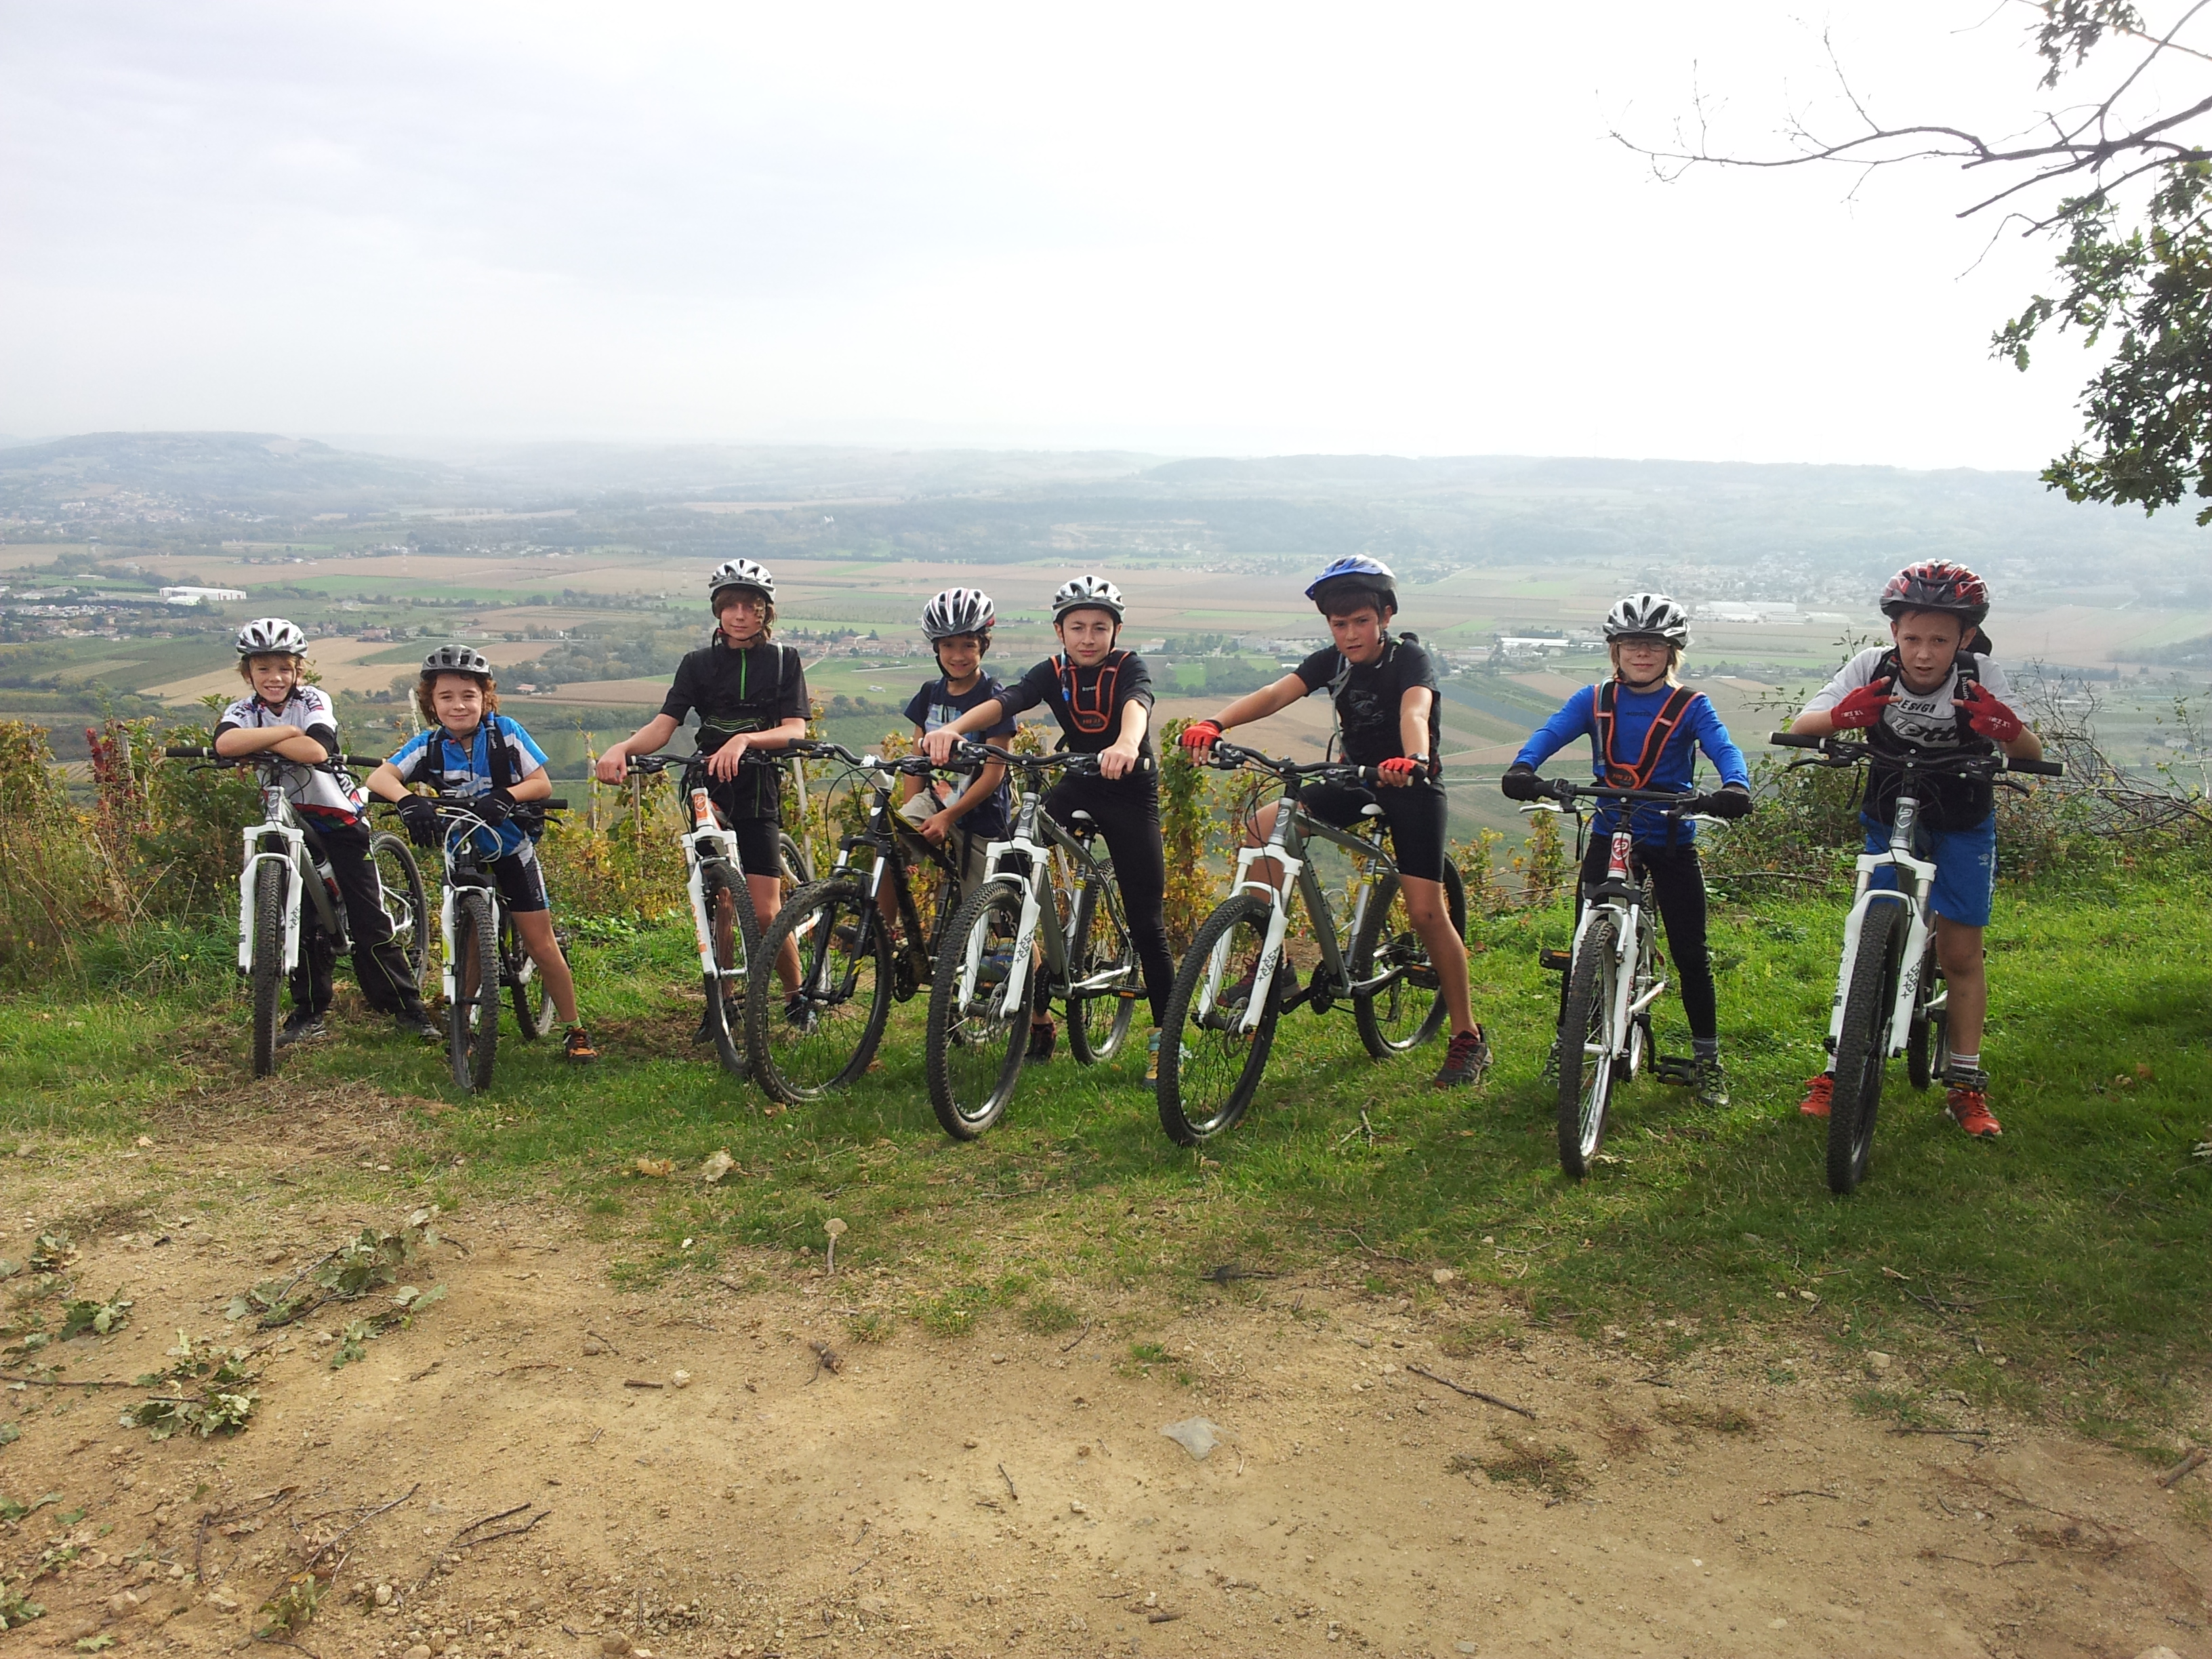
(1632, 715)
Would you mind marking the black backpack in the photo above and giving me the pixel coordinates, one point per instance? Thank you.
(430, 768)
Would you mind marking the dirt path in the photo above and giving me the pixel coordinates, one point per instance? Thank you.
(999, 1492)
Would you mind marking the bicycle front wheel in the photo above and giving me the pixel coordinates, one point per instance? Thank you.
(406, 903)
(1589, 1046)
(472, 1022)
(267, 984)
(1100, 945)
(736, 930)
(1921, 1066)
(976, 1038)
(826, 1039)
(791, 864)
(1210, 1065)
(1409, 1009)
(525, 985)
(1861, 1047)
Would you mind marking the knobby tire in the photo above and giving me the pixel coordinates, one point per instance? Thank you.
(1410, 1010)
(1861, 1047)
(974, 1054)
(267, 981)
(1207, 1092)
(473, 1033)
(848, 991)
(406, 901)
(1586, 1079)
(1100, 943)
(735, 960)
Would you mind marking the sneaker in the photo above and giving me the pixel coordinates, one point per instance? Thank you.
(733, 1022)
(299, 1027)
(420, 1024)
(1465, 1061)
(1152, 1060)
(798, 1013)
(1711, 1083)
(1041, 1033)
(579, 1048)
(1969, 1107)
(1815, 1103)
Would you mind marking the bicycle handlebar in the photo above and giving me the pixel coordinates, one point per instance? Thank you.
(1841, 752)
(269, 757)
(968, 753)
(1566, 791)
(1231, 757)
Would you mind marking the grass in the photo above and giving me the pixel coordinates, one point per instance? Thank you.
(2062, 1269)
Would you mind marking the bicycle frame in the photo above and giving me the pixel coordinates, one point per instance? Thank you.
(280, 826)
(708, 839)
(1620, 897)
(1285, 846)
(889, 838)
(1918, 930)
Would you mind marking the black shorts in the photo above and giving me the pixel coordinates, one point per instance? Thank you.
(760, 842)
(1415, 815)
(521, 881)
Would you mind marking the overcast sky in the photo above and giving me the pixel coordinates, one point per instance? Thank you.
(1184, 228)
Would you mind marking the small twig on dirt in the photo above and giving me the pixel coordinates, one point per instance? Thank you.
(825, 1359)
(2195, 1459)
(1971, 1436)
(280, 1642)
(522, 1365)
(218, 1517)
(1077, 1343)
(428, 1369)
(594, 1440)
(1968, 1560)
(597, 1337)
(1380, 1256)
(1161, 1616)
(363, 1521)
(1229, 1271)
(509, 1532)
(1471, 1393)
(58, 1383)
(1009, 1480)
(635, 1382)
(1806, 1492)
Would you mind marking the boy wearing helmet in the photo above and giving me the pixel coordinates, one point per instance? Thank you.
(1102, 696)
(750, 694)
(1644, 733)
(295, 720)
(468, 747)
(957, 624)
(1935, 689)
(1385, 694)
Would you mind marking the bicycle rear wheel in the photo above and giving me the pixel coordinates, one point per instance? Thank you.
(1861, 1047)
(1210, 1066)
(792, 868)
(406, 903)
(975, 1042)
(1589, 1046)
(845, 984)
(1409, 1010)
(472, 1022)
(1100, 945)
(267, 985)
(737, 948)
(525, 985)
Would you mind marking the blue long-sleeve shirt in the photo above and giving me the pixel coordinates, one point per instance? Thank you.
(1632, 713)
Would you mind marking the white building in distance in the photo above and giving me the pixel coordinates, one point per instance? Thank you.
(201, 595)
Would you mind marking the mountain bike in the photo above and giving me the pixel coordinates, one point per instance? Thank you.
(1614, 972)
(482, 952)
(1047, 906)
(849, 970)
(283, 866)
(722, 916)
(1230, 990)
(1890, 996)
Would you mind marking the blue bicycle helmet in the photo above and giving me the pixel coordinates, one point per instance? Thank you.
(1355, 570)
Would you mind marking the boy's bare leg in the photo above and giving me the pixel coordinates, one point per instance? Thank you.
(1256, 831)
(536, 928)
(1431, 919)
(1959, 948)
(768, 899)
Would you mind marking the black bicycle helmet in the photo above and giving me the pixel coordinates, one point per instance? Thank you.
(457, 659)
(1937, 585)
(956, 611)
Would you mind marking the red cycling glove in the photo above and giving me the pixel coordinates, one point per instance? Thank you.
(1863, 707)
(1201, 734)
(1989, 718)
(1399, 769)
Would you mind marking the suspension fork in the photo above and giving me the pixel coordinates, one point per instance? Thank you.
(293, 850)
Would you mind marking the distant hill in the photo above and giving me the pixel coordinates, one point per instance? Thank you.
(240, 470)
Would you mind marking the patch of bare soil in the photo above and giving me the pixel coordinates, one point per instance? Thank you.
(541, 1464)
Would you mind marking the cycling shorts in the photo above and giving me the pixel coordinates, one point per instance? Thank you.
(520, 880)
(1415, 815)
(1966, 863)
(760, 844)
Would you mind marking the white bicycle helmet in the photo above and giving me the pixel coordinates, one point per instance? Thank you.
(272, 636)
(457, 659)
(1648, 616)
(740, 573)
(959, 610)
(1087, 593)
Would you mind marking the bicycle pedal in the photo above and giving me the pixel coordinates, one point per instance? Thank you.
(1555, 962)
(1672, 1068)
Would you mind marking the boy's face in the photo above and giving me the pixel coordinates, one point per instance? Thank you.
(1087, 635)
(1642, 658)
(1358, 634)
(273, 677)
(740, 615)
(1927, 643)
(458, 701)
(959, 656)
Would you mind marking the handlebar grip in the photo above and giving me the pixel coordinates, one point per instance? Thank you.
(1794, 741)
(2041, 768)
(190, 754)
(358, 760)
(551, 804)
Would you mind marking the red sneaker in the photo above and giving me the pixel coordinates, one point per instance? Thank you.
(1970, 1110)
(1815, 1103)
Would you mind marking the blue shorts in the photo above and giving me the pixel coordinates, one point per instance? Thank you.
(1966, 863)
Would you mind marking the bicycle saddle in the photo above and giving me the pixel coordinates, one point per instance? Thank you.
(1372, 810)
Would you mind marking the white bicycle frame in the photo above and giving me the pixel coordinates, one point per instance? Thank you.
(1035, 855)
(1630, 922)
(1298, 871)
(706, 839)
(276, 821)
(1918, 933)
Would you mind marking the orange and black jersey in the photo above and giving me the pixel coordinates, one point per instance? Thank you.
(1086, 701)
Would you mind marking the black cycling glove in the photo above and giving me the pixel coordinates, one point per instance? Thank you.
(421, 818)
(494, 807)
(1731, 800)
(1521, 783)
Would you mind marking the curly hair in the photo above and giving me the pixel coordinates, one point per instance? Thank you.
(427, 683)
